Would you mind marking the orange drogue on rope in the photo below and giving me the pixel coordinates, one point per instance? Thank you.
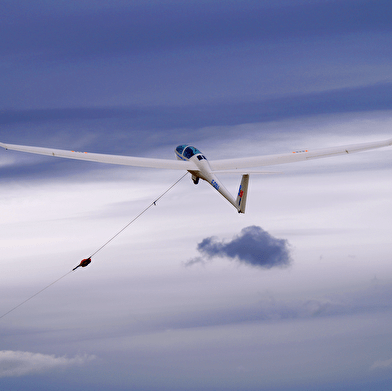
(83, 263)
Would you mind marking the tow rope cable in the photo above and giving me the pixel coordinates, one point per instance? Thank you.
(35, 294)
(87, 261)
(142, 212)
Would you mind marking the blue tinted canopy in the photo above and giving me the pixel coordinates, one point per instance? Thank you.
(190, 151)
(187, 151)
(180, 148)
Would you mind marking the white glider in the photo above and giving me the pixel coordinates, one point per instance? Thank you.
(192, 160)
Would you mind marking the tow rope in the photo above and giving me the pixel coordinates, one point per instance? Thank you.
(85, 262)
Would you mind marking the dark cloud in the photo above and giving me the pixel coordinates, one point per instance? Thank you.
(365, 301)
(144, 26)
(253, 246)
(193, 116)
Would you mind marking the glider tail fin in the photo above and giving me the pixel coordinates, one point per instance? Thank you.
(242, 193)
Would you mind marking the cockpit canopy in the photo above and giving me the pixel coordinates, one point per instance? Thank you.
(187, 151)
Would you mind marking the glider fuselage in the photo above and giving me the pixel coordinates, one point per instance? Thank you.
(204, 171)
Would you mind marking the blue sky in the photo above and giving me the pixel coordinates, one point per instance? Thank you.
(172, 303)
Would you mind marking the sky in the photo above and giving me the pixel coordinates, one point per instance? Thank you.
(294, 294)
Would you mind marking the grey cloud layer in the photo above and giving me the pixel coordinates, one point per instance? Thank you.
(364, 98)
(17, 363)
(138, 78)
(253, 246)
(82, 31)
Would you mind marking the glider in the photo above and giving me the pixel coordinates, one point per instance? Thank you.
(191, 159)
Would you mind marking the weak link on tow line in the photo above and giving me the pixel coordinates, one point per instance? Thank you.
(83, 263)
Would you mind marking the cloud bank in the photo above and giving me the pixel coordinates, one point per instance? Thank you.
(17, 363)
(382, 364)
(253, 246)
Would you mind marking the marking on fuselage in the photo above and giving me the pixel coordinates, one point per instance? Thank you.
(215, 184)
(240, 194)
(305, 150)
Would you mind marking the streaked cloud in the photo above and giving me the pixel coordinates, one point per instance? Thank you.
(18, 363)
(252, 246)
(269, 307)
(170, 117)
(235, 79)
(147, 26)
(382, 364)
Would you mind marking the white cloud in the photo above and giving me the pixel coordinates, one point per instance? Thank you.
(382, 364)
(17, 363)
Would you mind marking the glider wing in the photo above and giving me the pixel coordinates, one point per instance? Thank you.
(295, 156)
(103, 158)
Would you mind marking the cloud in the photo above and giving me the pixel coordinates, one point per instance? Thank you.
(17, 363)
(130, 119)
(253, 246)
(365, 302)
(138, 26)
(382, 364)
